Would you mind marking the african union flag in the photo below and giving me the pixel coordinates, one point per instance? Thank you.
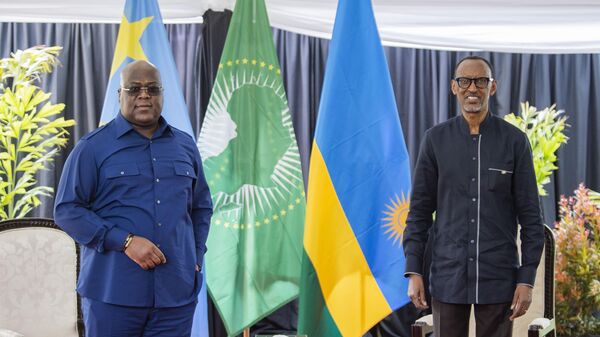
(252, 165)
(358, 188)
(142, 36)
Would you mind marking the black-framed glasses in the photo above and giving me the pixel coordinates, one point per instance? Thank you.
(134, 90)
(480, 82)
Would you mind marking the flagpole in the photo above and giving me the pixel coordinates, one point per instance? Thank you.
(247, 332)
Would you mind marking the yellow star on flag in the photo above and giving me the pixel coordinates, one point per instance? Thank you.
(128, 42)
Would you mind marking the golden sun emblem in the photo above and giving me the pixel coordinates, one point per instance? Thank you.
(395, 220)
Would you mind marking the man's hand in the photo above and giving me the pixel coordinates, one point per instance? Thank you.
(143, 252)
(416, 291)
(521, 301)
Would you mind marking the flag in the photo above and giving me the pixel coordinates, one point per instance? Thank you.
(252, 164)
(142, 36)
(358, 188)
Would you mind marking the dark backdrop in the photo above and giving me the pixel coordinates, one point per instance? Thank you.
(420, 78)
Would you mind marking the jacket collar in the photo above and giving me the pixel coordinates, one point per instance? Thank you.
(123, 126)
(485, 124)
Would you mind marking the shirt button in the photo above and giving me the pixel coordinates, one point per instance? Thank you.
(474, 158)
(157, 180)
(473, 179)
(472, 220)
(187, 172)
(158, 245)
(122, 173)
(474, 199)
(153, 159)
(470, 259)
(472, 241)
(474, 138)
(159, 224)
(150, 142)
(158, 201)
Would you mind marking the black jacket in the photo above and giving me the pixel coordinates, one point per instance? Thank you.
(480, 186)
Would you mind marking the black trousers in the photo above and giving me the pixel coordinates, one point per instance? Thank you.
(452, 320)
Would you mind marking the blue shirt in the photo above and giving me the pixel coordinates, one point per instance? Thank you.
(117, 182)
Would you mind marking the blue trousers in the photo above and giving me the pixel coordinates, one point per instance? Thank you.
(109, 320)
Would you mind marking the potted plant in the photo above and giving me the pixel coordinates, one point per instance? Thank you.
(31, 129)
(578, 265)
(544, 128)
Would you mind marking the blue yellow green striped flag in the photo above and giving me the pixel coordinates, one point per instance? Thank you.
(358, 188)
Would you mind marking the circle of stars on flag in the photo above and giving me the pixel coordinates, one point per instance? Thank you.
(251, 62)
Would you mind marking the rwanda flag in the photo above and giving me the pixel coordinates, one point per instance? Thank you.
(358, 188)
(142, 36)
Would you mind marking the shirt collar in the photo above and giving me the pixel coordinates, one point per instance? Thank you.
(464, 126)
(123, 126)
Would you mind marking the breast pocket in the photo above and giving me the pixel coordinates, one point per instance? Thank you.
(184, 169)
(122, 171)
(500, 177)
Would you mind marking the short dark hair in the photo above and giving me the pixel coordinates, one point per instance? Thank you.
(477, 58)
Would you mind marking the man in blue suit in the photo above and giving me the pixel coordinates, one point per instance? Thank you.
(134, 196)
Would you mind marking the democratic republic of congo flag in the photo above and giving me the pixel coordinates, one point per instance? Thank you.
(142, 36)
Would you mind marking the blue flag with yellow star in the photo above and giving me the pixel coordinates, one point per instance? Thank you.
(142, 36)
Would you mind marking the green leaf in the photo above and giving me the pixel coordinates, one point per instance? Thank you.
(31, 131)
(544, 128)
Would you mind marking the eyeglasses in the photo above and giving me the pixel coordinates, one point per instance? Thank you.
(153, 90)
(480, 82)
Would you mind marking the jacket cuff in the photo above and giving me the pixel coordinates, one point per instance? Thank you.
(200, 255)
(414, 265)
(115, 239)
(526, 275)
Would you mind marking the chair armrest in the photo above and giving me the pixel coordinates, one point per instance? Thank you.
(542, 325)
(422, 326)
(426, 320)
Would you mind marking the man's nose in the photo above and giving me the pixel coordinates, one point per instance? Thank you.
(144, 93)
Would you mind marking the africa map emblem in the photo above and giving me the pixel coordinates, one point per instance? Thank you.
(247, 143)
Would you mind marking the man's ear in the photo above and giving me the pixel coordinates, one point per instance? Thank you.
(493, 88)
(453, 87)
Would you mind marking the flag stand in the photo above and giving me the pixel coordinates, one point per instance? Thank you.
(247, 332)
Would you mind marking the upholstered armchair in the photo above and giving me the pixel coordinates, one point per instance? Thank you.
(539, 319)
(39, 264)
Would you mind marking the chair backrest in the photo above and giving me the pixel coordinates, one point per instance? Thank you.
(39, 265)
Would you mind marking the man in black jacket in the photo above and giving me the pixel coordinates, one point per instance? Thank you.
(476, 172)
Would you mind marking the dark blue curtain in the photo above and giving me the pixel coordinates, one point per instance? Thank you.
(420, 78)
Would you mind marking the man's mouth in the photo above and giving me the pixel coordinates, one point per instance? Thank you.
(472, 99)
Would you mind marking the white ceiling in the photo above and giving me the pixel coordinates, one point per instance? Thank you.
(526, 26)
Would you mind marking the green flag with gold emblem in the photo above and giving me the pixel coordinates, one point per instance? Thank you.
(252, 165)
